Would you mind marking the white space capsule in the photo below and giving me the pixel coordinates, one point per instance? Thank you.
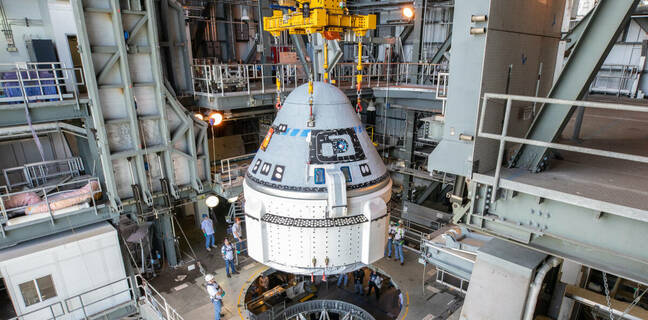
(315, 197)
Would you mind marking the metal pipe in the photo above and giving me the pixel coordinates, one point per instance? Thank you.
(535, 286)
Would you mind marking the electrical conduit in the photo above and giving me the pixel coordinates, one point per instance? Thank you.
(532, 298)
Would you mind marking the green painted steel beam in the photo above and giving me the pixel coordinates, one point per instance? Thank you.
(408, 156)
(576, 32)
(642, 22)
(92, 85)
(417, 32)
(298, 42)
(14, 114)
(603, 241)
(445, 47)
(599, 35)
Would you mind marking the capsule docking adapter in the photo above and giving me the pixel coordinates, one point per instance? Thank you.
(315, 197)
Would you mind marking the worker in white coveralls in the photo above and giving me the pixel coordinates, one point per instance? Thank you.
(216, 295)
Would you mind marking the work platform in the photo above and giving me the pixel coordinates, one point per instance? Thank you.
(593, 180)
(227, 87)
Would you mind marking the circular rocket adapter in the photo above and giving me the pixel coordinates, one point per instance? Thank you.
(315, 197)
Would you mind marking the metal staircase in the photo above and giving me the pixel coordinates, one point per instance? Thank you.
(236, 209)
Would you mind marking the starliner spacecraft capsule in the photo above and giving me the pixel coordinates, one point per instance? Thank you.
(316, 191)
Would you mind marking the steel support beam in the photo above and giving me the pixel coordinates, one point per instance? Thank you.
(642, 22)
(606, 22)
(263, 10)
(576, 32)
(585, 236)
(428, 191)
(14, 114)
(144, 127)
(410, 120)
(298, 41)
(95, 105)
(445, 47)
(164, 229)
(417, 32)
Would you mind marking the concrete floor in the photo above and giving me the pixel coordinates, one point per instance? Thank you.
(189, 296)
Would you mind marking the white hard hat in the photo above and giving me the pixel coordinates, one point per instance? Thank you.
(209, 277)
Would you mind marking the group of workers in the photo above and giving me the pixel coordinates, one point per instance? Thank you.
(396, 239)
(227, 250)
(215, 292)
(395, 242)
(375, 282)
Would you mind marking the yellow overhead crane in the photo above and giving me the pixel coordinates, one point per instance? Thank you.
(329, 17)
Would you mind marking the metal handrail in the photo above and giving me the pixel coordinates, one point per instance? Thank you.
(67, 309)
(156, 300)
(217, 79)
(226, 168)
(412, 235)
(37, 173)
(34, 80)
(503, 138)
(84, 304)
(617, 79)
(46, 197)
(51, 309)
(212, 80)
(141, 288)
(442, 90)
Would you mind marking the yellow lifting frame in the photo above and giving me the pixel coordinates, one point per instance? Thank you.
(324, 15)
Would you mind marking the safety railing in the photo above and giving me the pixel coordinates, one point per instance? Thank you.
(212, 80)
(415, 233)
(382, 74)
(236, 209)
(230, 169)
(38, 81)
(86, 300)
(155, 300)
(39, 173)
(219, 79)
(451, 280)
(49, 199)
(503, 137)
(617, 79)
(81, 303)
(442, 89)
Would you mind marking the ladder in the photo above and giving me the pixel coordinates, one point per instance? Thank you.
(236, 209)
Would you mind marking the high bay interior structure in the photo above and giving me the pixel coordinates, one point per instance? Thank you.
(510, 134)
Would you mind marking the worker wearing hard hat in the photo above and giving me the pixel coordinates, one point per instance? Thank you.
(399, 240)
(216, 295)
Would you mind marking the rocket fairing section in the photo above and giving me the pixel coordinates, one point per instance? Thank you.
(315, 196)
